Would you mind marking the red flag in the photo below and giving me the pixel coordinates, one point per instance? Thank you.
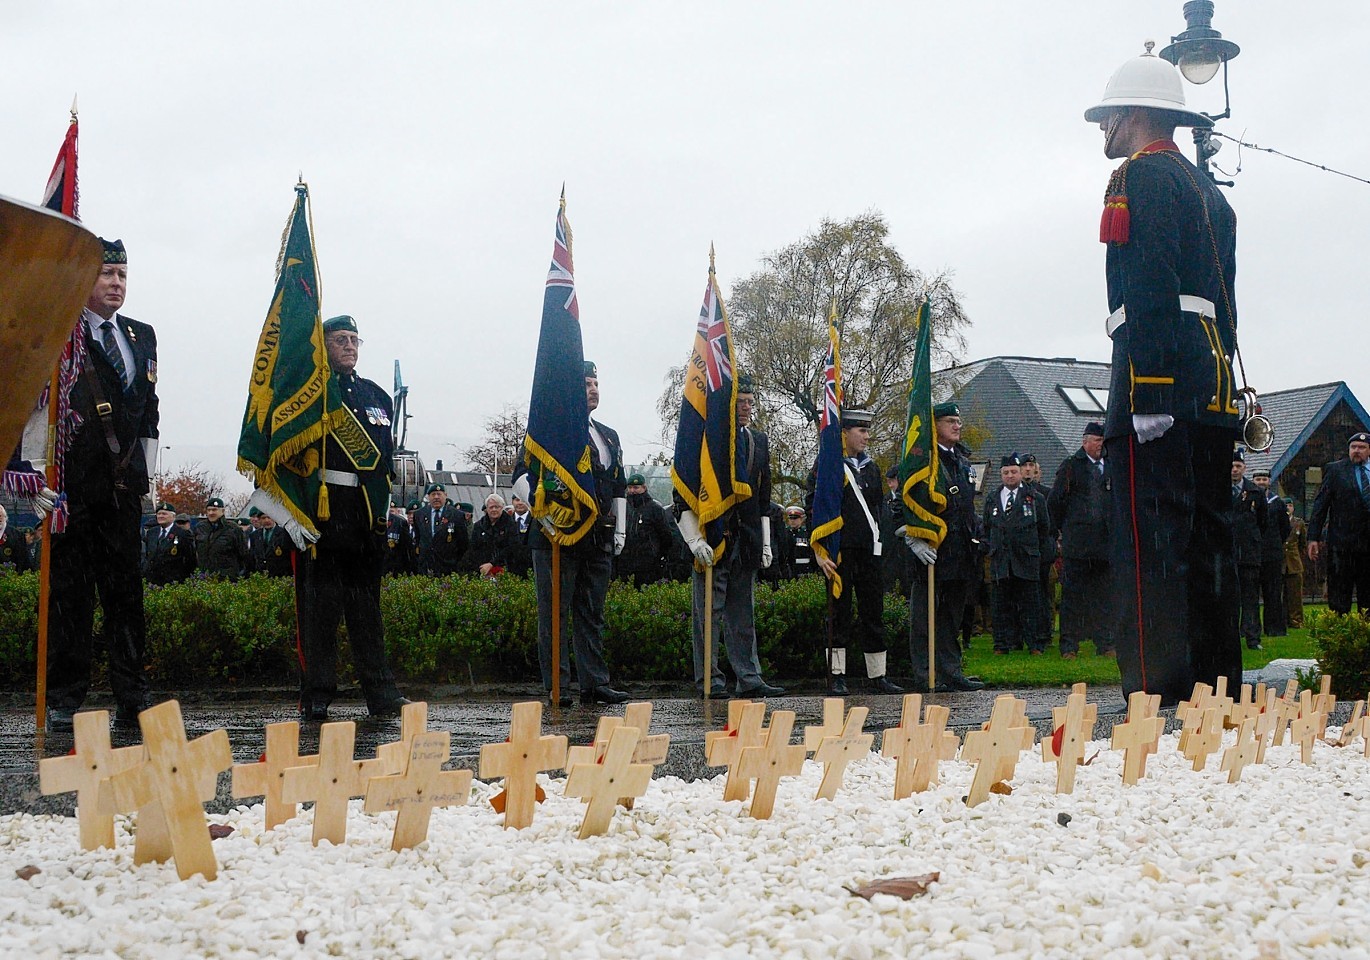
(60, 194)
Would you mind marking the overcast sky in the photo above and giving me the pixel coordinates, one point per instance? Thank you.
(435, 138)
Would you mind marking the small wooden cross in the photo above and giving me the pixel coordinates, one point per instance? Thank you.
(1325, 701)
(178, 777)
(1244, 707)
(334, 779)
(1206, 739)
(1138, 737)
(835, 752)
(413, 721)
(651, 748)
(1190, 713)
(723, 748)
(767, 764)
(519, 760)
(423, 786)
(82, 770)
(918, 746)
(995, 749)
(1353, 727)
(834, 718)
(1242, 751)
(264, 778)
(601, 785)
(1265, 720)
(1074, 724)
(1307, 727)
(1286, 711)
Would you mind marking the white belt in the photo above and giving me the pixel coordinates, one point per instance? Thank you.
(341, 478)
(1188, 304)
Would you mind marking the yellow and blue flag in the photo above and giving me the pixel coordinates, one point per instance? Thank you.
(920, 472)
(825, 534)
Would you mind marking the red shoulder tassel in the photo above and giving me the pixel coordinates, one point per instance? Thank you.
(1115, 225)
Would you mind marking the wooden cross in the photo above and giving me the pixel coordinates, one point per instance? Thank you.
(601, 784)
(1353, 727)
(1244, 707)
(333, 780)
(1138, 737)
(1242, 752)
(1265, 721)
(834, 719)
(723, 748)
(519, 760)
(1325, 701)
(1307, 727)
(651, 748)
(1206, 738)
(1073, 724)
(1286, 711)
(918, 746)
(423, 786)
(835, 752)
(1190, 713)
(413, 721)
(766, 765)
(82, 770)
(178, 777)
(995, 749)
(264, 778)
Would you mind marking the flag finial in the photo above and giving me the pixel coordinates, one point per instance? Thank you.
(711, 256)
(73, 108)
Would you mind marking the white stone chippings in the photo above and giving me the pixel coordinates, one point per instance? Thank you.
(1182, 864)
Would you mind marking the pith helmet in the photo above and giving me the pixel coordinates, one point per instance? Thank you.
(1147, 81)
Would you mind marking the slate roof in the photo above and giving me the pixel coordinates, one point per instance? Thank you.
(1295, 415)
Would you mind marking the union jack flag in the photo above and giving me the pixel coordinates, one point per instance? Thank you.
(825, 536)
(713, 327)
(562, 273)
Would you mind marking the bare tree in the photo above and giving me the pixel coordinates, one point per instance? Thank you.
(188, 488)
(499, 447)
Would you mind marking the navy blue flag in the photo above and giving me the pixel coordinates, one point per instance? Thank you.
(556, 449)
(825, 535)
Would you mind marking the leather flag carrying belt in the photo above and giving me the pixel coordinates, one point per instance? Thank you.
(341, 478)
(1188, 304)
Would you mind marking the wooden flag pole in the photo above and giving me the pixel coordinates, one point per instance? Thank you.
(708, 631)
(827, 661)
(40, 707)
(556, 626)
(932, 632)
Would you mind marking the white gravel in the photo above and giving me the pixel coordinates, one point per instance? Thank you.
(1181, 865)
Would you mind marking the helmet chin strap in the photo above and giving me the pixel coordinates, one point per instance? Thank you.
(1114, 121)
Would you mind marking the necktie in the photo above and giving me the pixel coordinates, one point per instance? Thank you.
(1363, 481)
(1100, 465)
(434, 515)
(111, 345)
(1008, 504)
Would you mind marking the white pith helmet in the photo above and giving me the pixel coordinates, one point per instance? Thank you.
(1147, 81)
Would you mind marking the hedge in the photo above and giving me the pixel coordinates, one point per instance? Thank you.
(453, 630)
(1343, 643)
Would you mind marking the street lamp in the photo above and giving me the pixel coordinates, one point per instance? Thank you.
(1198, 51)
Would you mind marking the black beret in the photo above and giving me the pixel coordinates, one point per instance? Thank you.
(744, 383)
(114, 251)
(892, 473)
(1358, 438)
(1094, 429)
(165, 506)
(1239, 455)
(1010, 461)
(1030, 458)
(214, 502)
(334, 324)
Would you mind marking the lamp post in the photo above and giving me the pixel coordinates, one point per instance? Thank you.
(1198, 51)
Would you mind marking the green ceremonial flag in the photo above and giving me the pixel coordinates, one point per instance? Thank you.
(920, 469)
(293, 400)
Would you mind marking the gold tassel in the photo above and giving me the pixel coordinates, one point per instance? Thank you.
(323, 502)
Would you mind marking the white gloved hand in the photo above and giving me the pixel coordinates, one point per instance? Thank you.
(767, 556)
(1151, 426)
(689, 529)
(923, 550)
(43, 501)
(620, 524)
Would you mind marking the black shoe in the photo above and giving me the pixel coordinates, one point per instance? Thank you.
(839, 685)
(314, 713)
(61, 721)
(564, 702)
(604, 694)
(762, 689)
(126, 715)
(883, 685)
(1254, 646)
(717, 691)
(390, 710)
(960, 684)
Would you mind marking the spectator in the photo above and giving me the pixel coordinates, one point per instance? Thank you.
(34, 538)
(782, 546)
(796, 524)
(1046, 582)
(1341, 514)
(400, 560)
(1017, 526)
(643, 559)
(220, 546)
(1248, 532)
(894, 558)
(491, 537)
(271, 550)
(168, 552)
(520, 555)
(1272, 558)
(1294, 547)
(441, 534)
(14, 550)
(1079, 509)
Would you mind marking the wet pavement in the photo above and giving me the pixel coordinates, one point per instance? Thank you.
(480, 717)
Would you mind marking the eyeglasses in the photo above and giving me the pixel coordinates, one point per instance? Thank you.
(344, 339)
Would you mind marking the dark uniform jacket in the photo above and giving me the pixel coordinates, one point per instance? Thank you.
(610, 484)
(894, 552)
(400, 559)
(856, 529)
(442, 540)
(648, 541)
(1182, 240)
(1079, 507)
(1276, 530)
(782, 549)
(14, 551)
(168, 558)
(959, 556)
(1295, 546)
(221, 549)
(520, 555)
(742, 523)
(1341, 513)
(1018, 539)
(490, 543)
(271, 551)
(356, 524)
(1248, 524)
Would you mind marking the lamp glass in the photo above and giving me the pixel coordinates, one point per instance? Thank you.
(1200, 66)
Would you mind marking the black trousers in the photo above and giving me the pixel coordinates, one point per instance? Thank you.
(1272, 597)
(862, 578)
(1017, 617)
(1045, 610)
(1249, 602)
(99, 552)
(1086, 605)
(1347, 572)
(585, 571)
(950, 610)
(332, 586)
(1175, 580)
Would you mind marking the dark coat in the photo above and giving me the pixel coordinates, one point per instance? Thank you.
(959, 556)
(14, 551)
(520, 552)
(490, 542)
(782, 548)
(400, 559)
(894, 552)
(610, 484)
(856, 529)
(272, 552)
(1018, 539)
(1341, 515)
(742, 524)
(1276, 530)
(170, 558)
(442, 541)
(648, 540)
(356, 525)
(1182, 240)
(1248, 524)
(221, 549)
(1079, 508)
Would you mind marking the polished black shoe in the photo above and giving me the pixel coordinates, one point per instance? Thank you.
(314, 713)
(839, 685)
(390, 710)
(61, 721)
(960, 684)
(604, 694)
(718, 691)
(762, 689)
(1254, 646)
(565, 701)
(883, 685)
(126, 715)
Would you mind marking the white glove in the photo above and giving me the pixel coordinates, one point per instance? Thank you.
(767, 557)
(689, 529)
(43, 501)
(620, 524)
(1151, 426)
(150, 454)
(923, 550)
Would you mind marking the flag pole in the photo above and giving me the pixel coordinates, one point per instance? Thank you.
(556, 626)
(708, 631)
(40, 716)
(827, 662)
(932, 632)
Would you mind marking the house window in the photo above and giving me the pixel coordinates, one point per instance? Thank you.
(1101, 395)
(1081, 400)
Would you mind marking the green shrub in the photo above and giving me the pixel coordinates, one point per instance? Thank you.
(1343, 644)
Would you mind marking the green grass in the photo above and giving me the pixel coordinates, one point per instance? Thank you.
(1021, 669)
